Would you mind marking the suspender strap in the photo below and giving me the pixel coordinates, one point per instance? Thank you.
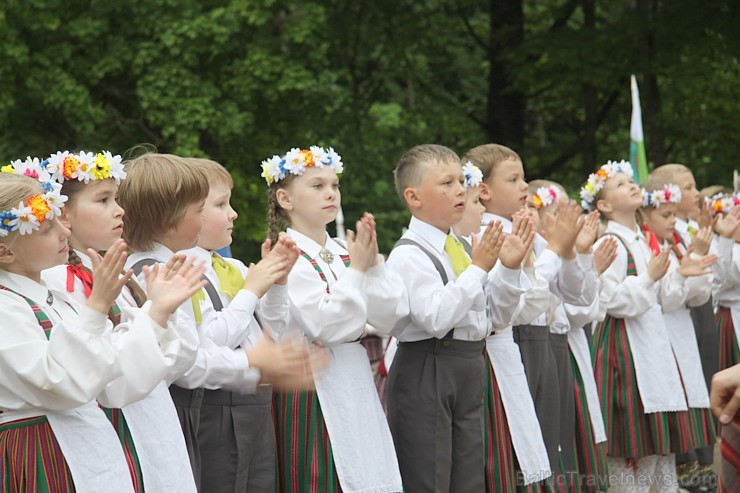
(437, 265)
(631, 268)
(467, 246)
(41, 317)
(209, 288)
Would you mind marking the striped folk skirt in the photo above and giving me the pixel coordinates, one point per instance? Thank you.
(32, 459)
(590, 456)
(304, 457)
(500, 473)
(630, 432)
(729, 354)
(115, 416)
(702, 427)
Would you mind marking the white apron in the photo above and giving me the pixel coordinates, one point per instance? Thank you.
(361, 441)
(160, 445)
(92, 450)
(579, 348)
(526, 436)
(657, 374)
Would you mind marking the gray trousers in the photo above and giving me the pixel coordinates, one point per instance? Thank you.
(187, 404)
(560, 350)
(435, 413)
(708, 339)
(237, 442)
(540, 367)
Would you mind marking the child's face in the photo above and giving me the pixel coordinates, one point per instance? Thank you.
(441, 195)
(185, 234)
(661, 220)
(471, 219)
(505, 191)
(94, 217)
(45, 248)
(689, 206)
(313, 198)
(218, 218)
(622, 194)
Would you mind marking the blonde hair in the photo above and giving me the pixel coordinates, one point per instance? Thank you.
(712, 190)
(412, 166)
(156, 194)
(215, 172)
(666, 174)
(534, 185)
(277, 217)
(488, 156)
(15, 189)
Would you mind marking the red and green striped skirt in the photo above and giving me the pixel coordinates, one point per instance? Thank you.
(32, 459)
(115, 416)
(590, 457)
(702, 427)
(500, 473)
(630, 432)
(554, 484)
(729, 354)
(729, 477)
(304, 457)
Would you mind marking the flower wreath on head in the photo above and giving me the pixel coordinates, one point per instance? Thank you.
(669, 194)
(85, 166)
(28, 216)
(473, 175)
(545, 196)
(723, 203)
(296, 161)
(597, 180)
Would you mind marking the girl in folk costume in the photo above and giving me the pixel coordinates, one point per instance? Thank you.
(55, 355)
(515, 453)
(333, 438)
(639, 383)
(583, 460)
(687, 283)
(726, 285)
(154, 345)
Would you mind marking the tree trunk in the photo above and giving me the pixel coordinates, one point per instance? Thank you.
(647, 10)
(505, 111)
(590, 107)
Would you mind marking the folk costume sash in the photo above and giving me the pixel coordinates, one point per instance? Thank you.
(578, 344)
(658, 379)
(361, 441)
(526, 436)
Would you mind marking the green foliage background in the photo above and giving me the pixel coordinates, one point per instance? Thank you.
(238, 81)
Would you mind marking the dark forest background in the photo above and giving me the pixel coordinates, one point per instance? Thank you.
(238, 81)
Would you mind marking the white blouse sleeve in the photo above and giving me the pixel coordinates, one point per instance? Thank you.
(435, 306)
(387, 299)
(327, 318)
(535, 301)
(274, 309)
(506, 287)
(64, 372)
(626, 296)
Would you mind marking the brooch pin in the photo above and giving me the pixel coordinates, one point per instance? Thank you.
(326, 256)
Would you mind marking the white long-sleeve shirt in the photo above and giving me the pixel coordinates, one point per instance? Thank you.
(462, 303)
(148, 353)
(377, 296)
(64, 372)
(216, 366)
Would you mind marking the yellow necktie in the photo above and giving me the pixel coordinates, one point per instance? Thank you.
(229, 278)
(455, 250)
(692, 231)
(195, 300)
